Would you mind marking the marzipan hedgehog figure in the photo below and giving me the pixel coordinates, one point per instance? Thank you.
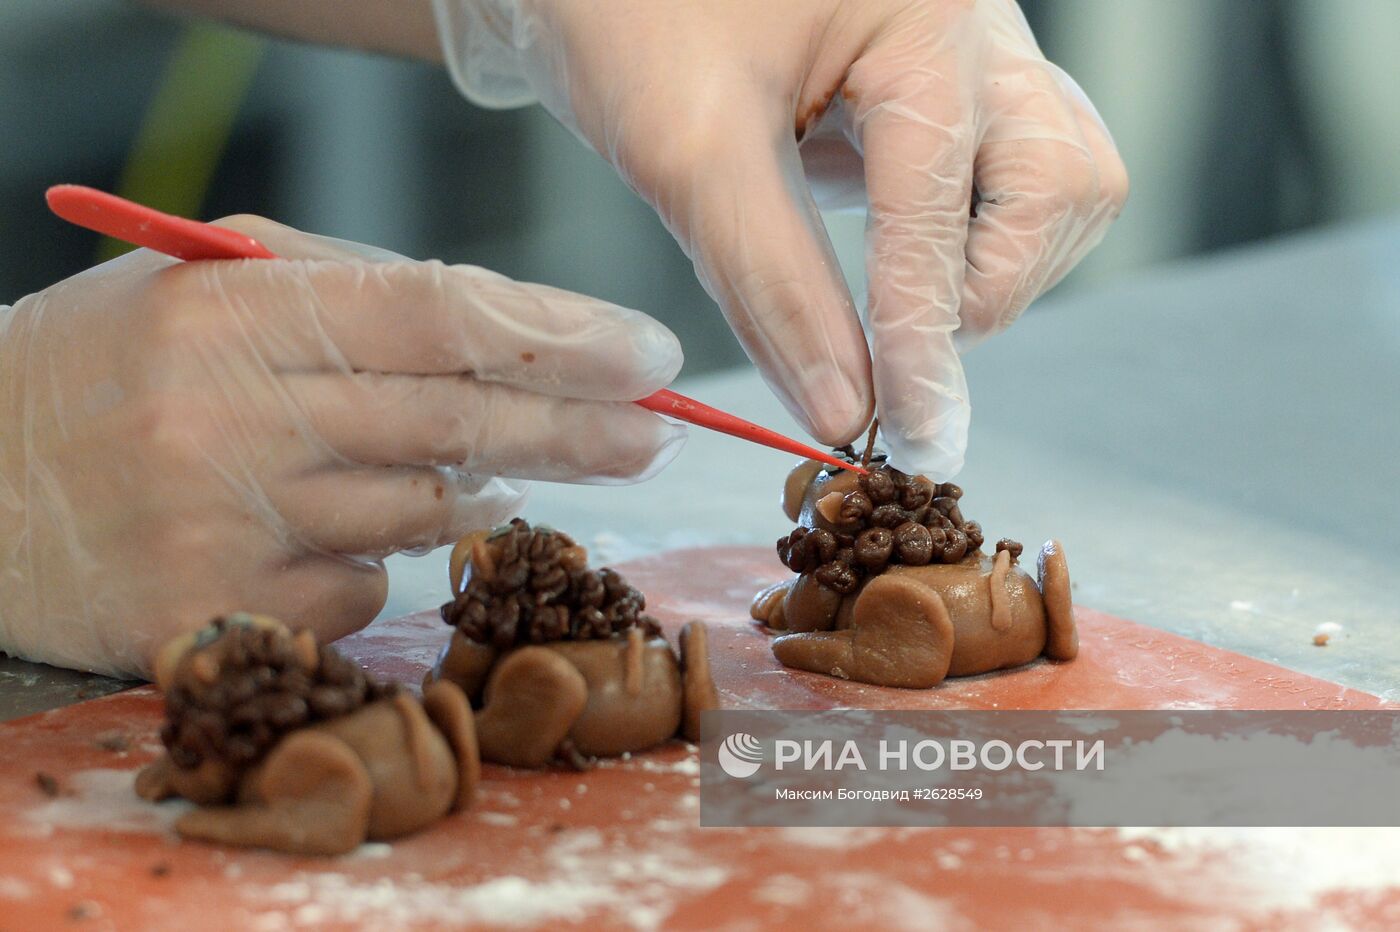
(287, 745)
(559, 659)
(893, 588)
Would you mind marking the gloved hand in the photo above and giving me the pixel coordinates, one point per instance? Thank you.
(986, 172)
(182, 440)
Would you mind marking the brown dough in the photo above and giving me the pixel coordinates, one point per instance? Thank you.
(608, 697)
(380, 772)
(1062, 635)
(966, 591)
(210, 783)
(614, 722)
(700, 693)
(822, 487)
(1000, 616)
(799, 480)
(464, 662)
(533, 698)
(901, 636)
(564, 694)
(769, 605)
(810, 606)
(410, 790)
(447, 708)
(311, 796)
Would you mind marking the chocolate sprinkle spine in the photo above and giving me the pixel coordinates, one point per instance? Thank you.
(262, 691)
(892, 518)
(541, 590)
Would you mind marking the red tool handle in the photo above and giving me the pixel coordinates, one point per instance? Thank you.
(702, 415)
(135, 223)
(189, 239)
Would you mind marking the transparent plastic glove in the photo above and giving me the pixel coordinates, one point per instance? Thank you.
(182, 440)
(735, 118)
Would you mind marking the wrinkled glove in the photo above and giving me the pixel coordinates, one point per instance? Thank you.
(183, 440)
(986, 173)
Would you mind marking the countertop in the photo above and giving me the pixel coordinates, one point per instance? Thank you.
(1215, 443)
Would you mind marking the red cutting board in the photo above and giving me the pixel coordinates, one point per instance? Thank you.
(619, 846)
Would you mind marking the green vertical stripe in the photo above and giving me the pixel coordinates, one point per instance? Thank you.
(188, 123)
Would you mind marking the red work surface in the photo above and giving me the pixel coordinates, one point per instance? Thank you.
(620, 845)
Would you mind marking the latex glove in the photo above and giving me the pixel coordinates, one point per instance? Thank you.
(906, 106)
(182, 440)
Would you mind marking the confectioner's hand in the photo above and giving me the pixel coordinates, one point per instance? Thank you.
(735, 118)
(180, 440)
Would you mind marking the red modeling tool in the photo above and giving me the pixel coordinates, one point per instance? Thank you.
(189, 239)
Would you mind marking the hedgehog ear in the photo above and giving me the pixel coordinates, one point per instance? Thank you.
(168, 658)
(799, 480)
(251, 620)
(308, 653)
(461, 554)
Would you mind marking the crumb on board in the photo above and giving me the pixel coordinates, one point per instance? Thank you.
(83, 910)
(48, 784)
(113, 741)
(160, 869)
(1325, 632)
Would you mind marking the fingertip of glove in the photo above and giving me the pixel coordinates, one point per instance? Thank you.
(670, 448)
(656, 355)
(486, 501)
(836, 416)
(929, 438)
(650, 454)
(939, 455)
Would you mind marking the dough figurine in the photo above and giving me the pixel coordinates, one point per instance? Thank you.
(288, 745)
(894, 589)
(558, 658)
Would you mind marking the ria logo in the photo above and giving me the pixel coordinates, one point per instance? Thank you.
(740, 755)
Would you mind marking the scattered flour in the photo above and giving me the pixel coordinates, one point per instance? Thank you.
(270, 922)
(783, 890)
(608, 548)
(12, 888)
(1286, 868)
(372, 851)
(948, 861)
(834, 837)
(106, 799)
(1326, 632)
(590, 876)
(875, 901)
(688, 766)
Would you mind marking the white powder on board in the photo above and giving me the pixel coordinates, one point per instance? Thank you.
(688, 765)
(1269, 868)
(872, 900)
(105, 799)
(12, 888)
(1285, 868)
(844, 838)
(589, 875)
(372, 850)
